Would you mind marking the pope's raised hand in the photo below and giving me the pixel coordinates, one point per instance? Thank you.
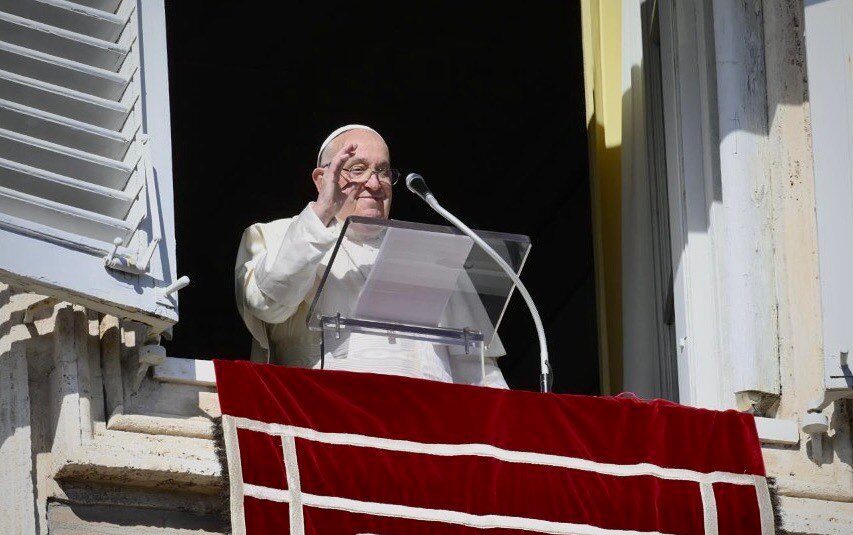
(331, 197)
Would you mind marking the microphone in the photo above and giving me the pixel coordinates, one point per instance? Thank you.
(418, 186)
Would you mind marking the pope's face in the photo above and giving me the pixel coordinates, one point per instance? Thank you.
(373, 197)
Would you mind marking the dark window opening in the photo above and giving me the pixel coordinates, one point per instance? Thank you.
(486, 101)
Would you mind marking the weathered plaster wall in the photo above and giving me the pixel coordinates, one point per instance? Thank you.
(78, 439)
(17, 512)
(819, 484)
(795, 251)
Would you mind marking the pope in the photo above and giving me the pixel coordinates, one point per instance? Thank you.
(280, 264)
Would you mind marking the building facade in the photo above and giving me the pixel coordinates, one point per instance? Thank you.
(720, 142)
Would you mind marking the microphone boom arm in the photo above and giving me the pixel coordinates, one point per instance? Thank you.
(417, 185)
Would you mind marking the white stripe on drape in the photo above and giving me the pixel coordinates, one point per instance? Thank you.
(291, 466)
(765, 505)
(235, 474)
(436, 515)
(709, 508)
(487, 450)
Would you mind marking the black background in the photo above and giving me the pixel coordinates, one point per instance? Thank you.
(484, 99)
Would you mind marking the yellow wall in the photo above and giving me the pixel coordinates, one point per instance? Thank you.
(602, 49)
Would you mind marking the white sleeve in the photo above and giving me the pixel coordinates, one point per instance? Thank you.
(467, 370)
(278, 276)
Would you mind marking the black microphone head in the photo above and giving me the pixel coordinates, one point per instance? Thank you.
(417, 185)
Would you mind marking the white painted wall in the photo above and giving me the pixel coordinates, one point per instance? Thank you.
(747, 277)
(829, 54)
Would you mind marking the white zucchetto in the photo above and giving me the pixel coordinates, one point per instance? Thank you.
(340, 131)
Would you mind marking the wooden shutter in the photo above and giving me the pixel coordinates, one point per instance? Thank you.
(85, 165)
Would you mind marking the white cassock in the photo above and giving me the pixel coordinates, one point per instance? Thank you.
(278, 270)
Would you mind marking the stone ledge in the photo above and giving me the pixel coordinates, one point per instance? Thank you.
(190, 427)
(138, 460)
(186, 371)
(819, 517)
(777, 431)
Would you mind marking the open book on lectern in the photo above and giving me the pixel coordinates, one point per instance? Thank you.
(412, 280)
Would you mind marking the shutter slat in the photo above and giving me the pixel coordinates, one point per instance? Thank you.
(104, 5)
(64, 131)
(58, 215)
(69, 16)
(64, 161)
(54, 235)
(62, 43)
(56, 70)
(63, 101)
(67, 190)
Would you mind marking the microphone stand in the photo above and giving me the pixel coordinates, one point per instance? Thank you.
(417, 185)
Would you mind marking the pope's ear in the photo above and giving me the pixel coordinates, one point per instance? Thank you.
(317, 177)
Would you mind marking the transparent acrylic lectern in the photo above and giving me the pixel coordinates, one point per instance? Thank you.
(411, 280)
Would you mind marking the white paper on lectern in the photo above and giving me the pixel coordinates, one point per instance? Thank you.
(413, 277)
